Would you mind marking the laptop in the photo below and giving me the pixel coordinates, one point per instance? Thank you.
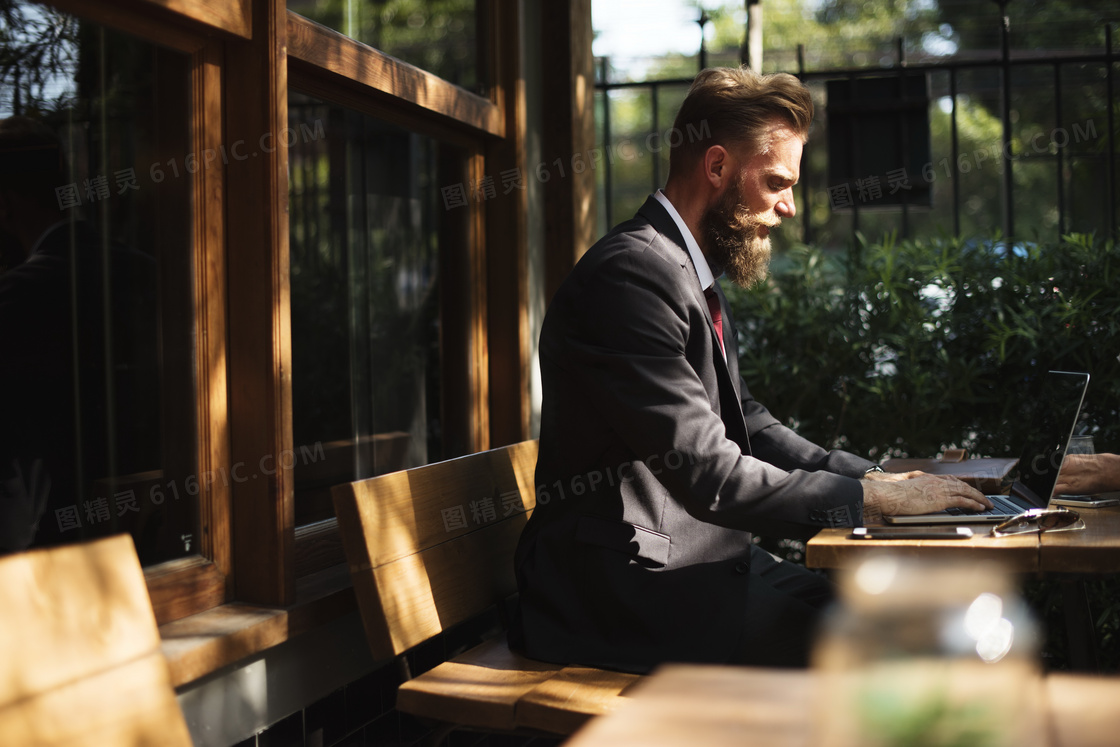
(1039, 463)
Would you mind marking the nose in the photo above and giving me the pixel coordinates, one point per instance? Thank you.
(786, 207)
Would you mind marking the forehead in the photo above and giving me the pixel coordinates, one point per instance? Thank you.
(783, 157)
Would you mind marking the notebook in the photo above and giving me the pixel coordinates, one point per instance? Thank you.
(1039, 462)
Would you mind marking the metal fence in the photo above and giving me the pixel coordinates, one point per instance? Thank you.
(1022, 145)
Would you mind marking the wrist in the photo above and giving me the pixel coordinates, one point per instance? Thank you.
(872, 507)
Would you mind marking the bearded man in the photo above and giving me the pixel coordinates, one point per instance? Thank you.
(656, 464)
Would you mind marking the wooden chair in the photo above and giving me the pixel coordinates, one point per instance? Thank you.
(80, 651)
(432, 547)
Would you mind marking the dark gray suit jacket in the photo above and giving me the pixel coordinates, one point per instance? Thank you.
(656, 465)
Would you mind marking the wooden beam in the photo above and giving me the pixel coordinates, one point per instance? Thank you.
(156, 19)
(260, 355)
(388, 78)
(507, 250)
(210, 301)
(568, 135)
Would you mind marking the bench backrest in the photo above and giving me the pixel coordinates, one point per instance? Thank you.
(80, 659)
(433, 546)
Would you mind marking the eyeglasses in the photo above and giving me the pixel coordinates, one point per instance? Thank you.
(1040, 520)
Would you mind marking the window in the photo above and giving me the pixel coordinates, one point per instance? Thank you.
(97, 285)
(368, 223)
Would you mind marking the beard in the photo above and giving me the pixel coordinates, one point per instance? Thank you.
(731, 234)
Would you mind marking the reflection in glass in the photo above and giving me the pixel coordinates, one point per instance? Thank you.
(366, 229)
(440, 36)
(96, 349)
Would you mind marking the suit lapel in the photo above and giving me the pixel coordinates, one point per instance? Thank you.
(727, 371)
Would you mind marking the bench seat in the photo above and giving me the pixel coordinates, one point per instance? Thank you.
(432, 547)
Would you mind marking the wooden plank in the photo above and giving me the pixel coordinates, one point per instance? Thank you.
(210, 301)
(230, 16)
(203, 643)
(143, 19)
(407, 601)
(132, 704)
(479, 689)
(403, 513)
(260, 355)
(507, 250)
(565, 702)
(185, 587)
(709, 705)
(1083, 711)
(831, 548)
(568, 131)
(386, 77)
(318, 546)
(81, 651)
(431, 546)
(1094, 549)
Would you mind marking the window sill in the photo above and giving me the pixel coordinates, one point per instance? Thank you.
(201, 644)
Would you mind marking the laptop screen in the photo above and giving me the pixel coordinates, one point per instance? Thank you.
(1059, 406)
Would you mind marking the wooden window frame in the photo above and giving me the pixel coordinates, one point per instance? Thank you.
(244, 56)
(329, 65)
(189, 585)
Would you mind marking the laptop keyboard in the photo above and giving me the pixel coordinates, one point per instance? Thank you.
(1000, 506)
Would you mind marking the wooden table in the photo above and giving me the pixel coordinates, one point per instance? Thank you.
(1095, 549)
(686, 705)
(1092, 550)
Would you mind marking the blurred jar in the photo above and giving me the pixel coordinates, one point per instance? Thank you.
(930, 655)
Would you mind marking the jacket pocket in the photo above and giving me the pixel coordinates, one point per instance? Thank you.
(648, 547)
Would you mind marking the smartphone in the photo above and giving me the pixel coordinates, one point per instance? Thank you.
(911, 532)
(1086, 501)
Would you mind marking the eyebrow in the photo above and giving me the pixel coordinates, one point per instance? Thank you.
(783, 174)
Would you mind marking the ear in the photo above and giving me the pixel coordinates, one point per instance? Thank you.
(717, 165)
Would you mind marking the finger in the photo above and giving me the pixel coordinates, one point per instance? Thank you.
(977, 497)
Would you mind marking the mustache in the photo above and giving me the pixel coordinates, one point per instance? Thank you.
(743, 218)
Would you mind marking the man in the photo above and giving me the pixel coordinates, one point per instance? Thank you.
(656, 464)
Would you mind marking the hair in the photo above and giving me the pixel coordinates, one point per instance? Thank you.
(737, 106)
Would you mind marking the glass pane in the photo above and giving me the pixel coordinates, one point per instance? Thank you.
(440, 36)
(95, 288)
(367, 227)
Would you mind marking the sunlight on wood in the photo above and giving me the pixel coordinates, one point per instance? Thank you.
(82, 663)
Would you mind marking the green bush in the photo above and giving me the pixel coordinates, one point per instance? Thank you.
(908, 348)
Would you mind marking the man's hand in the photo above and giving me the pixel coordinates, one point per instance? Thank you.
(892, 476)
(1086, 474)
(921, 494)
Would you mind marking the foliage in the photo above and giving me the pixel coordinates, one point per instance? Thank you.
(907, 348)
(911, 347)
(439, 36)
(38, 49)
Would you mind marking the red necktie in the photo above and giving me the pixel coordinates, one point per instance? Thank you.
(717, 316)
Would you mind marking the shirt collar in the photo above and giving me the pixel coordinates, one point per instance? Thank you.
(699, 261)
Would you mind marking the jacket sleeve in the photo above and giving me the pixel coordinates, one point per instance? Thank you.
(629, 343)
(775, 443)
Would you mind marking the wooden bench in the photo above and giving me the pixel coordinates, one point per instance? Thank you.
(80, 651)
(432, 547)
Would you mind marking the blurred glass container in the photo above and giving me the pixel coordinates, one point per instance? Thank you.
(1080, 445)
(930, 655)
